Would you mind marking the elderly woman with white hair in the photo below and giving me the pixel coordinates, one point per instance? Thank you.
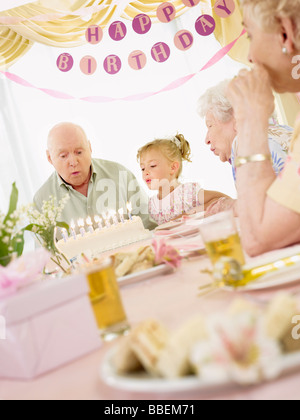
(268, 206)
(221, 136)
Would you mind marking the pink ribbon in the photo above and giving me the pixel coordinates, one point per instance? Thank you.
(138, 97)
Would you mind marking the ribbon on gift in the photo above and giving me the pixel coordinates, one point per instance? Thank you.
(22, 271)
(138, 97)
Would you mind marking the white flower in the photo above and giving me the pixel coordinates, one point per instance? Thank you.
(6, 240)
(237, 349)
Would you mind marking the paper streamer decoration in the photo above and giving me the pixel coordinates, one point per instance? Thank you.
(86, 11)
(138, 97)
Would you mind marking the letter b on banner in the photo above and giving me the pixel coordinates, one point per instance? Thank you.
(65, 62)
(2, 328)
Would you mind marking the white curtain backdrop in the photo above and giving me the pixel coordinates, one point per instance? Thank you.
(117, 129)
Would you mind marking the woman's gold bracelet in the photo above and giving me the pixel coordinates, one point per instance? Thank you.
(239, 161)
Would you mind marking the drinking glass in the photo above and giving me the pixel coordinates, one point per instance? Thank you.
(221, 237)
(106, 299)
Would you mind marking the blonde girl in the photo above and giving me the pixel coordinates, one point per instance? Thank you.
(161, 162)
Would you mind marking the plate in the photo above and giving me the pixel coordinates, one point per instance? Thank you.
(177, 233)
(160, 270)
(283, 277)
(169, 226)
(188, 246)
(142, 382)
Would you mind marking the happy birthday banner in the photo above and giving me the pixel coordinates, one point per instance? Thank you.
(102, 99)
(160, 52)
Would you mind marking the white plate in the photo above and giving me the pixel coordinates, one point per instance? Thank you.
(283, 277)
(142, 382)
(145, 275)
(188, 246)
(169, 226)
(185, 231)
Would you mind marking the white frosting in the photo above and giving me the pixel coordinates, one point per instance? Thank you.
(106, 239)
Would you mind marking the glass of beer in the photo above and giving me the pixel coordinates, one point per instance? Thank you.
(221, 237)
(106, 299)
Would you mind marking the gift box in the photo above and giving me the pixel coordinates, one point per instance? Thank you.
(48, 324)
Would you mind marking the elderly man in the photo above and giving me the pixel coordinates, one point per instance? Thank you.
(221, 136)
(93, 185)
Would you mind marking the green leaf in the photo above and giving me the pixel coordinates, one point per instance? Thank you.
(63, 225)
(4, 261)
(13, 202)
(29, 228)
(18, 244)
(3, 249)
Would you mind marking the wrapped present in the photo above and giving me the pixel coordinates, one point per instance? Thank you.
(47, 324)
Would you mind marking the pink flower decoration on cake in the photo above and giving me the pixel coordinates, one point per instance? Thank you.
(22, 271)
(166, 254)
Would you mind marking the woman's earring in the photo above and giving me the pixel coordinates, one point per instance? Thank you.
(284, 50)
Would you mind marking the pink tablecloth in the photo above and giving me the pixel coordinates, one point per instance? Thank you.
(171, 299)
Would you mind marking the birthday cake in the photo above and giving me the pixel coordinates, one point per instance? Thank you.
(95, 242)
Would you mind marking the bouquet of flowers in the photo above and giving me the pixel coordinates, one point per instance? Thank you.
(44, 225)
(11, 236)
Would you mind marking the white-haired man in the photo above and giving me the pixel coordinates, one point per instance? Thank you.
(93, 185)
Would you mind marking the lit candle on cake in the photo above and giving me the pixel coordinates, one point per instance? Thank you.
(114, 217)
(72, 227)
(106, 220)
(90, 225)
(64, 233)
(98, 221)
(121, 214)
(81, 227)
(129, 208)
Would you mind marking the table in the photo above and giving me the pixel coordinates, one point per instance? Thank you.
(171, 299)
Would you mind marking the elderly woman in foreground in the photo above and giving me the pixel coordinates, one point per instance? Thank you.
(268, 206)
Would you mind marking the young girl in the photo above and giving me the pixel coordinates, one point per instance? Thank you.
(161, 162)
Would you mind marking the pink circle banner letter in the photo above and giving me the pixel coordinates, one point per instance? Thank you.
(88, 65)
(205, 25)
(112, 64)
(224, 8)
(137, 60)
(117, 31)
(141, 24)
(191, 3)
(160, 52)
(184, 40)
(65, 62)
(166, 12)
(94, 34)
